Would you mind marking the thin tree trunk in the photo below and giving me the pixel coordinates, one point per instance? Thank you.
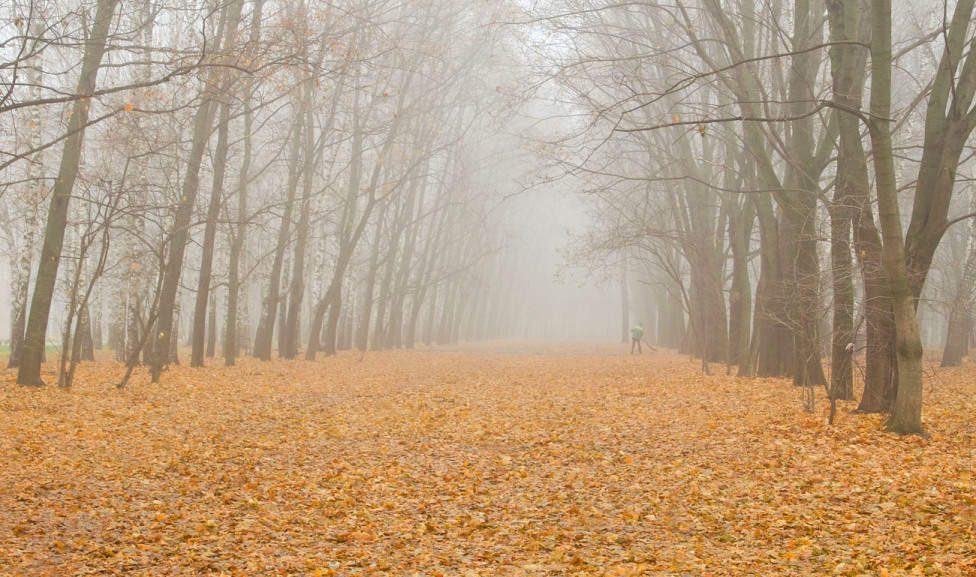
(79, 347)
(20, 259)
(848, 24)
(263, 338)
(960, 314)
(424, 272)
(850, 21)
(212, 325)
(624, 305)
(773, 340)
(84, 336)
(315, 328)
(163, 346)
(379, 334)
(290, 336)
(395, 329)
(21, 264)
(231, 341)
(740, 297)
(164, 349)
(352, 229)
(366, 314)
(35, 336)
(204, 292)
(97, 321)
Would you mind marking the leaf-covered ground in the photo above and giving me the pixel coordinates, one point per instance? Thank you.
(514, 459)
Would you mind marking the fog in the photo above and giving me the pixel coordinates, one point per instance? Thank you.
(289, 178)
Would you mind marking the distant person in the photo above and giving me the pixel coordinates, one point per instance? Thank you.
(636, 336)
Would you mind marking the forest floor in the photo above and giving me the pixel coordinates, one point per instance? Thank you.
(512, 458)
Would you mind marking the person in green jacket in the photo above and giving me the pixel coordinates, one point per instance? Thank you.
(636, 336)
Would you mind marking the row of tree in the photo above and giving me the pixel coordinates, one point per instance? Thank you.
(737, 168)
(315, 175)
(333, 172)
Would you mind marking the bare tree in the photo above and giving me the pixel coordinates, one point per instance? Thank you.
(35, 339)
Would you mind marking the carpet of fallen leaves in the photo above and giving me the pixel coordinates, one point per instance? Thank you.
(510, 459)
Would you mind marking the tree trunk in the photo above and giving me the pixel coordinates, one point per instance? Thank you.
(447, 315)
(431, 315)
(880, 377)
(740, 296)
(18, 312)
(291, 335)
(35, 336)
(799, 210)
(117, 323)
(212, 325)
(353, 224)
(264, 336)
(164, 349)
(97, 322)
(906, 417)
(423, 277)
(624, 305)
(233, 330)
(412, 217)
(366, 314)
(960, 314)
(332, 325)
(22, 261)
(204, 292)
(84, 336)
(163, 345)
(379, 332)
(848, 24)
(315, 328)
(772, 342)
(949, 121)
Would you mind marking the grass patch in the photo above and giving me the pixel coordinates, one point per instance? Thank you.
(51, 350)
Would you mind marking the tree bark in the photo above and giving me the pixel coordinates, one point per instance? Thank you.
(239, 241)
(741, 222)
(164, 349)
(22, 263)
(624, 305)
(949, 121)
(848, 24)
(35, 336)
(263, 338)
(379, 326)
(906, 417)
(395, 332)
(354, 224)
(960, 323)
(212, 325)
(366, 312)
(203, 295)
